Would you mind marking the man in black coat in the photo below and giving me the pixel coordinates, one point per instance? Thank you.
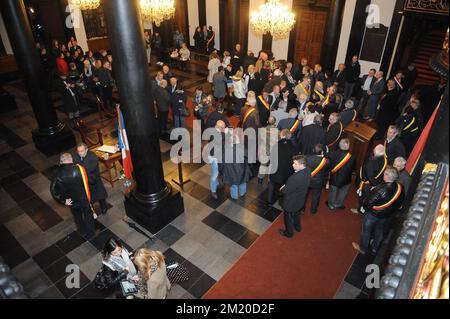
(394, 147)
(67, 187)
(349, 114)
(89, 161)
(339, 78)
(311, 136)
(215, 116)
(294, 196)
(352, 73)
(342, 167)
(162, 99)
(319, 166)
(334, 132)
(379, 205)
(285, 150)
(293, 124)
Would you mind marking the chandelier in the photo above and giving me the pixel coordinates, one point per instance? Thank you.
(157, 10)
(273, 18)
(85, 4)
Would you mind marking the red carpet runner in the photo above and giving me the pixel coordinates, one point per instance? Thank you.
(312, 265)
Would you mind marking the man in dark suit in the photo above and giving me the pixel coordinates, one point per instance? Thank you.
(375, 94)
(349, 114)
(339, 78)
(352, 72)
(311, 136)
(342, 167)
(264, 102)
(367, 83)
(334, 132)
(68, 188)
(89, 161)
(162, 99)
(378, 206)
(394, 147)
(215, 116)
(285, 150)
(293, 124)
(320, 168)
(294, 196)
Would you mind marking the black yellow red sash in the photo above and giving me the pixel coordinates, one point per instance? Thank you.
(85, 182)
(266, 105)
(304, 89)
(295, 127)
(342, 163)
(321, 96)
(247, 114)
(392, 201)
(339, 136)
(320, 167)
(385, 165)
(363, 183)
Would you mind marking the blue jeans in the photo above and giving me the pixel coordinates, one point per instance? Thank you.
(371, 225)
(238, 190)
(178, 121)
(214, 181)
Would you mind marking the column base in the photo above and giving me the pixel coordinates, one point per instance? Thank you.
(8, 103)
(155, 218)
(54, 144)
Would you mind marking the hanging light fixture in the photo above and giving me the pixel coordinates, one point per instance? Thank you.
(85, 4)
(157, 10)
(273, 18)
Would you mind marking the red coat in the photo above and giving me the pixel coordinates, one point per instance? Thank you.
(62, 67)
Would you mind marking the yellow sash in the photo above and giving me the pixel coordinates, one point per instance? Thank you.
(392, 201)
(266, 105)
(342, 163)
(295, 126)
(320, 167)
(247, 114)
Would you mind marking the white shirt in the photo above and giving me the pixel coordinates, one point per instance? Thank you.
(367, 84)
(239, 89)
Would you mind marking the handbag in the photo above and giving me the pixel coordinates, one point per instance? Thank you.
(185, 111)
(177, 273)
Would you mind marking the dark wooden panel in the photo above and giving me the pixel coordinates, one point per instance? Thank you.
(244, 24)
(373, 45)
(99, 44)
(181, 18)
(202, 12)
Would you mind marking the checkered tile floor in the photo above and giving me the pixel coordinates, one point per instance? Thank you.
(38, 237)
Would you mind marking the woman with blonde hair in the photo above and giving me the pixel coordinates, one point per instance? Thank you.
(213, 66)
(239, 92)
(152, 273)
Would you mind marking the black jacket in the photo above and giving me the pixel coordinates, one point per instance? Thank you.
(67, 183)
(311, 136)
(372, 171)
(334, 135)
(348, 116)
(343, 176)
(384, 200)
(395, 149)
(320, 167)
(286, 150)
(295, 191)
(352, 72)
(289, 124)
(237, 171)
(340, 78)
(90, 163)
(162, 99)
(214, 117)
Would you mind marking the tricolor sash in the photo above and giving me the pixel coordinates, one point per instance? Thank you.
(342, 163)
(266, 105)
(320, 167)
(339, 137)
(304, 89)
(247, 114)
(321, 96)
(295, 127)
(85, 182)
(392, 201)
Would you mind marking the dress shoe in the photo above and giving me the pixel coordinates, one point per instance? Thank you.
(298, 230)
(355, 211)
(341, 208)
(284, 233)
(330, 207)
(314, 212)
(214, 195)
(358, 248)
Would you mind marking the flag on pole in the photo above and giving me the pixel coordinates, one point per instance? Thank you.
(125, 147)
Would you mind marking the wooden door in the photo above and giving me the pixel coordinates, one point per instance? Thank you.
(310, 32)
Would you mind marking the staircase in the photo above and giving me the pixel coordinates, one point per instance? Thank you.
(430, 45)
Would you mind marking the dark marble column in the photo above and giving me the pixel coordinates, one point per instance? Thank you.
(51, 137)
(232, 23)
(332, 34)
(153, 203)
